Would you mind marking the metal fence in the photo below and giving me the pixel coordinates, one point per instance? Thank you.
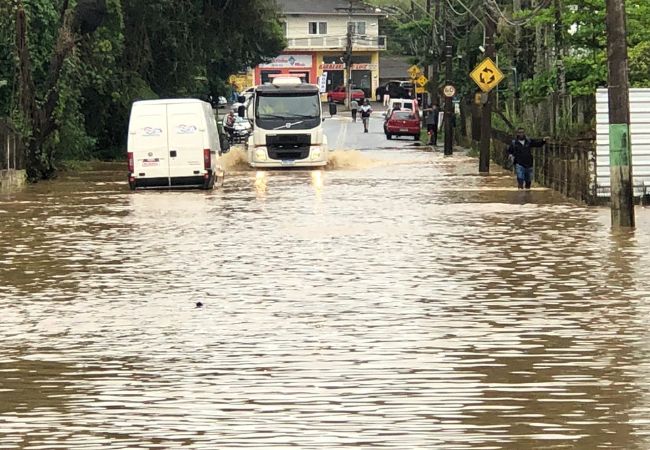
(12, 150)
(639, 141)
(569, 168)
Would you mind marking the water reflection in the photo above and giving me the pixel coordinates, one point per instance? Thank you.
(399, 301)
(261, 180)
(317, 182)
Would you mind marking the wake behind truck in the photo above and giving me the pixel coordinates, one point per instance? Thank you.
(287, 125)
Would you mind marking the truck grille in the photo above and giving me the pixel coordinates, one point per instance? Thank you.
(288, 146)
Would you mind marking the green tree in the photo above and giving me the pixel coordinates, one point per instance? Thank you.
(83, 62)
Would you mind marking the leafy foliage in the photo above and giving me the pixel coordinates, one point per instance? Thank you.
(126, 50)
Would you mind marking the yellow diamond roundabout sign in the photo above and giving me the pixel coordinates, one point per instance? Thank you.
(486, 75)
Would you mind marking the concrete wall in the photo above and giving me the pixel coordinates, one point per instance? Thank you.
(12, 179)
(639, 140)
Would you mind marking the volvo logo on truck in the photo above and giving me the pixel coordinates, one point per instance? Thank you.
(287, 125)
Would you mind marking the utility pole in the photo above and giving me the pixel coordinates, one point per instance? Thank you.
(427, 68)
(486, 111)
(620, 154)
(433, 81)
(449, 106)
(348, 61)
(348, 48)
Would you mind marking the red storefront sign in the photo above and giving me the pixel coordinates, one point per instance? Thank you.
(364, 67)
(332, 66)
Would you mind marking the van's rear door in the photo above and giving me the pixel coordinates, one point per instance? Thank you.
(186, 144)
(148, 142)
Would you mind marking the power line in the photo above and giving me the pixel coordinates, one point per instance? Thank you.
(494, 6)
(455, 12)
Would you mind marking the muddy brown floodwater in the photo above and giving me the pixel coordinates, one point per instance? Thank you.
(396, 300)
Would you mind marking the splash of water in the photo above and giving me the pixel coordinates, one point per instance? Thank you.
(350, 159)
(235, 159)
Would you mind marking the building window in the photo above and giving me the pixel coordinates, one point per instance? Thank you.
(284, 28)
(317, 27)
(357, 27)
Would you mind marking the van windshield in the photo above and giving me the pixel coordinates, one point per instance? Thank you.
(300, 110)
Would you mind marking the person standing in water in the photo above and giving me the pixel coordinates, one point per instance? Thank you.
(366, 110)
(521, 156)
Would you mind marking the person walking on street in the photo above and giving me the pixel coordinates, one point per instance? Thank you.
(366, 110)
(354, 106)
(520, 154)
(432, 124)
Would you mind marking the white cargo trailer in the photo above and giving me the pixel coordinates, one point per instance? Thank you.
(173, 143)
(640, 140)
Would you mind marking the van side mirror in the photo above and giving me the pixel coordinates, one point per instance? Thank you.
(241, 111)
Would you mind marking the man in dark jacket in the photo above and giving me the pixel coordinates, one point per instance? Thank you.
(432, 124)
(521, 155)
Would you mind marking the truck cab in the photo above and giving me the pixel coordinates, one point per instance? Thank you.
(287, 125)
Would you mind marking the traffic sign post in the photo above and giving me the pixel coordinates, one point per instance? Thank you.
(486, 75)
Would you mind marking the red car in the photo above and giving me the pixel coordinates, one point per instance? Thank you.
(338, 95)
(402, 123)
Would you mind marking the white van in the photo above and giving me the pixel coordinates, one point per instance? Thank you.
(173, 143)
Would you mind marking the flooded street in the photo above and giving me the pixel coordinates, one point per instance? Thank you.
(395, 300)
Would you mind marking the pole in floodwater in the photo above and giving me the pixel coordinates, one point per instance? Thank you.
(486, 111)
(620, 153)
(449, 105)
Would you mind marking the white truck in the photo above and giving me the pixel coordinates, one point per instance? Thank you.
(174, 143)
(287, 125)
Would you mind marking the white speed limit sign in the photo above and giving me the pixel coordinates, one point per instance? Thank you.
(449, 90)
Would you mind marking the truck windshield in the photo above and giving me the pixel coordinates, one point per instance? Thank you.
(300, 111)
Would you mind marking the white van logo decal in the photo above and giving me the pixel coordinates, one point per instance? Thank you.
(186, 129)
(150, 162)
(149, 131)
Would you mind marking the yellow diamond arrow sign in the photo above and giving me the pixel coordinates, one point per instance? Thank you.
(486, 75)
(414, 71)
(421, 81)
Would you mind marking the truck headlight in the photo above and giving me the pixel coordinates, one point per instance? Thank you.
(260, 154)
(315, 153)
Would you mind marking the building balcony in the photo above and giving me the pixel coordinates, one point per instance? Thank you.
(359, 43)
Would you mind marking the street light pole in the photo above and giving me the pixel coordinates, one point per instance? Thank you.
(449, 106)
(620, 154)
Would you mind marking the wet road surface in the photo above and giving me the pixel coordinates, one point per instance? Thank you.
(396, 300)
